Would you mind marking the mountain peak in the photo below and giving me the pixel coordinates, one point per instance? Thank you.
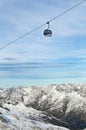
(59, 105)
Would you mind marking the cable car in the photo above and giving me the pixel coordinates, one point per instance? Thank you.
(47, 32)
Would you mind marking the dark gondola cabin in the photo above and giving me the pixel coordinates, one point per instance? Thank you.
(47, 33)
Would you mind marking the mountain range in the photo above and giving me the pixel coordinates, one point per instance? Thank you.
(53, 107)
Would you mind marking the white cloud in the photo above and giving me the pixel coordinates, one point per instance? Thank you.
(35, 46)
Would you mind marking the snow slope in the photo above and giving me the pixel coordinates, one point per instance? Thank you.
(20, 117)
(54, 107)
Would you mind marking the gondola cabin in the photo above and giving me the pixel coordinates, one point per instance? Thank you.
(47, 33)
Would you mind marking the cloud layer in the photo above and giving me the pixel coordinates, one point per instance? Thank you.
(35, 51)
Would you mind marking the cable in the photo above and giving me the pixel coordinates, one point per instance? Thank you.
(17, 39)
(54, 18)
(67, 10)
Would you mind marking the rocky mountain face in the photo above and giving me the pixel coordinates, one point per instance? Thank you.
(55, 107)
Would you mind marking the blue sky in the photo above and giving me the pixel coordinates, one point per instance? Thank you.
(35, 59)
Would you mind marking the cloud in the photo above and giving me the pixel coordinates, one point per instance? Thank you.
(9, 59)
(62, 68)
(60, 56)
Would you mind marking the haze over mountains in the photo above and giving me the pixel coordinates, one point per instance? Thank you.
(54, 107)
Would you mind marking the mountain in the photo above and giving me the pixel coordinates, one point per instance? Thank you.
(54, 107)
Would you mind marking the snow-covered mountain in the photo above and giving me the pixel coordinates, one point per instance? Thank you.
(55, 107)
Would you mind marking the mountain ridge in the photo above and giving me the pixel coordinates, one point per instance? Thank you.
(63, 105)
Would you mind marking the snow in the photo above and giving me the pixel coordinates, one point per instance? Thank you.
(24, 118)
(31, 108)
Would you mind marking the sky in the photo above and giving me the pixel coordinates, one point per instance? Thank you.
(35, 59)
